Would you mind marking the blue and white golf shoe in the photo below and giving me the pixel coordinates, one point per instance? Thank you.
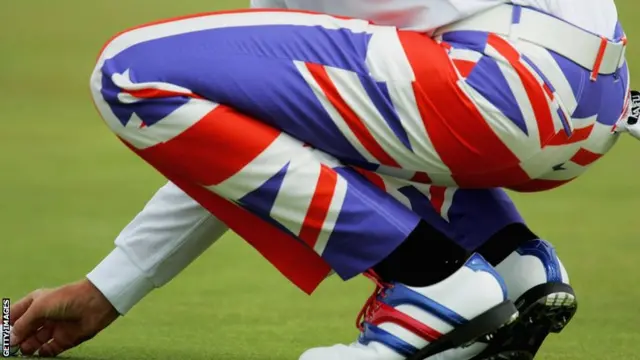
(438, 322)
(538, 284)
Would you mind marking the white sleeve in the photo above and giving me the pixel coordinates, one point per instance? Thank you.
(162, 240)
(268, 4)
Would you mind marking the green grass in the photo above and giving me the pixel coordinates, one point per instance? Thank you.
(67, 187)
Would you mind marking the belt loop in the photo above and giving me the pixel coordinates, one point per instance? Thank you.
(516, 16)
(624, 41)
(599, 58)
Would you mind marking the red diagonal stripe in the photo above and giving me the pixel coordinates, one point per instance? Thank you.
(387, 314)
(578, 135)
(193, 158)
(202, 147)
(535, 90)
(465, 67)
(352, 119)
(585, 157)
(319, 207)
(436, 195)
(421, 177)
(300, 264)
(151, 93)
(460, 135)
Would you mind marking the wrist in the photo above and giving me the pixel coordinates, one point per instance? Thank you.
(120, 281)
(96, 299)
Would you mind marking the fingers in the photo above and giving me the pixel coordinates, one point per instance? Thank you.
(51, 349)
(32, 344)
(64, 338)
(29, 319)
(74, 313)
(19, 308)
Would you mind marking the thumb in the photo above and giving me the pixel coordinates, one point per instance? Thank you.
(19, 308)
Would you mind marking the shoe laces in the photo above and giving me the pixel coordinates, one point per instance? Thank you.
(373, 303)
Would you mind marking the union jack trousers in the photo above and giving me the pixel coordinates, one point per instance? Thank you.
(322, 140)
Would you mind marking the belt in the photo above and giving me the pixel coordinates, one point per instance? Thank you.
(595, 53)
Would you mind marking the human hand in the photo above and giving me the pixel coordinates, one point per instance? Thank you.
(51, 321)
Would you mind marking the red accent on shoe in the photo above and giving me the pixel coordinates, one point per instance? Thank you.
(376, 312)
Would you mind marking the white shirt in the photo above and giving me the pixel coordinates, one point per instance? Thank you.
(173, 230)
(598, 16)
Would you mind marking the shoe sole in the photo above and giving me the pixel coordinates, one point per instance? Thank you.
(544, 309)
(554, 308)
(482, 327)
